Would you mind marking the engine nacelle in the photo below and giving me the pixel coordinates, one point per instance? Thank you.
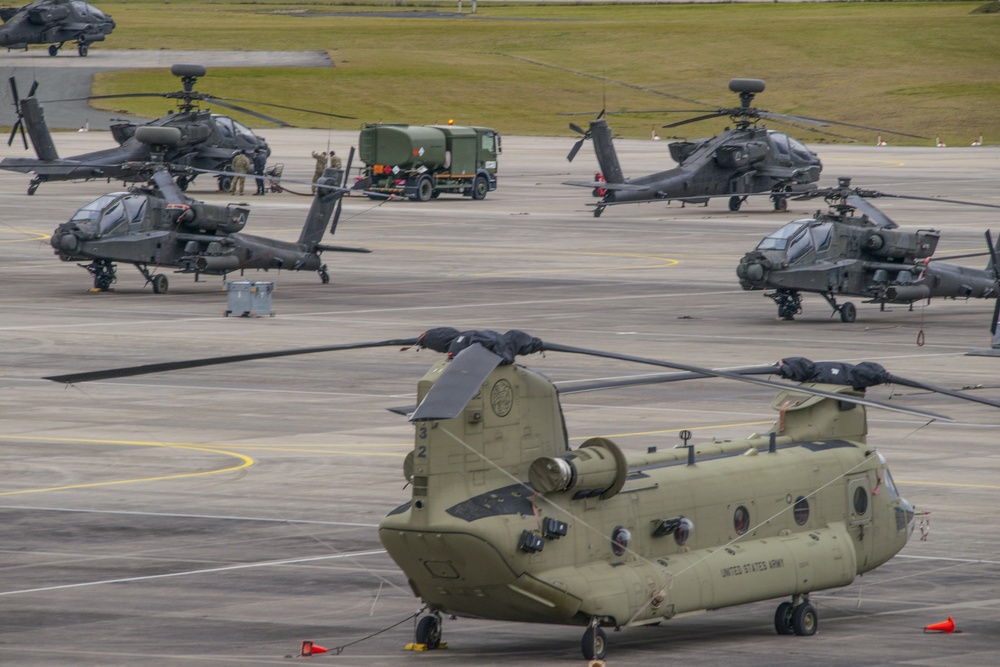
(598, 468)
(902, 245)
(47, 14)
(211, 218)
(740, 156)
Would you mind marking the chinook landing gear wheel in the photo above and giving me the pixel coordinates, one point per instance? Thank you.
(848, 313)
(805, 622)
(594, 643)
(160, 284)
(429, 631)
(479, 188)
(783, 619)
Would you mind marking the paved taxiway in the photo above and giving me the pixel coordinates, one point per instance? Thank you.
(221, 516)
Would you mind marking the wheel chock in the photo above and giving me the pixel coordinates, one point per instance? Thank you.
(424, 647)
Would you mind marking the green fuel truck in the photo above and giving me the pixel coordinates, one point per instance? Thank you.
(422, 161)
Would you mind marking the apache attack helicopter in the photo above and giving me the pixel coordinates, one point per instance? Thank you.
(157, 226)
(505, 522)
(855, 249)
(207, 142)
(54, 22)
(749, 159)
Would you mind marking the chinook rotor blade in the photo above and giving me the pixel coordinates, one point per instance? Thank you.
(555, 347)
(146, 369)
(663, 378)
(461, 380)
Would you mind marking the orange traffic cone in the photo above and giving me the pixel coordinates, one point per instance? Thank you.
(309, 648)
(947, 627)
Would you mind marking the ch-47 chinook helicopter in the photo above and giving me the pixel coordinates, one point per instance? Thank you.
(54, 22)
(747, 159)
(855, 249)
(505, 522)
(207, 142)
(159, 226)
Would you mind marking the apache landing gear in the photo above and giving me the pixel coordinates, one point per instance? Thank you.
(780, 200)
(598, 210)
(736, 202)
(324, 274)
(848, 313)
(158, 281)
(104, 274)
(33, 185)
(796, 617)
(789, 303)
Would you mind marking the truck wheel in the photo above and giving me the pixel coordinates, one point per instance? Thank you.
(425, 189)
(479, 188)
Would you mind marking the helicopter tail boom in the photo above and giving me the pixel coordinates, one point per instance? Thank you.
(606, 155)
(323, 206)
(38, 129)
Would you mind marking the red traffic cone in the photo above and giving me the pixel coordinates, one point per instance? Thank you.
(309, 648)
(947, 627)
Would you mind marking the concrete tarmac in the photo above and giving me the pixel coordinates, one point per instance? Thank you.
(222, 515)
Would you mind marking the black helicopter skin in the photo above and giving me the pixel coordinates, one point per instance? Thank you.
(54, 22)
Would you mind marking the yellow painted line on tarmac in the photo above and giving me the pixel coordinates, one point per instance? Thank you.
(30, 236)
(246, 462)
(324, 449)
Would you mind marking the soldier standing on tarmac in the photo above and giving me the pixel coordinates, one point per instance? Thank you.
(320, 166)
(241, 165)
(259, 162)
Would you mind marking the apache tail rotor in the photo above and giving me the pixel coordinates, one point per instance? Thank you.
(586, 135)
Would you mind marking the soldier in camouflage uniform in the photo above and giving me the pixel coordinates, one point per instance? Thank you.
(320, 166)
(241, 165)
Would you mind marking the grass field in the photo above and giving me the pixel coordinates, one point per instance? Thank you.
(931, 69)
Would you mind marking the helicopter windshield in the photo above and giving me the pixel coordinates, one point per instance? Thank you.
(786, 145)
(780, 239)
(231, 128)
(85, 10)
(106, 212)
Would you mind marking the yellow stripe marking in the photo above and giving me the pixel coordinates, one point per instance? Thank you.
(246, 462)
